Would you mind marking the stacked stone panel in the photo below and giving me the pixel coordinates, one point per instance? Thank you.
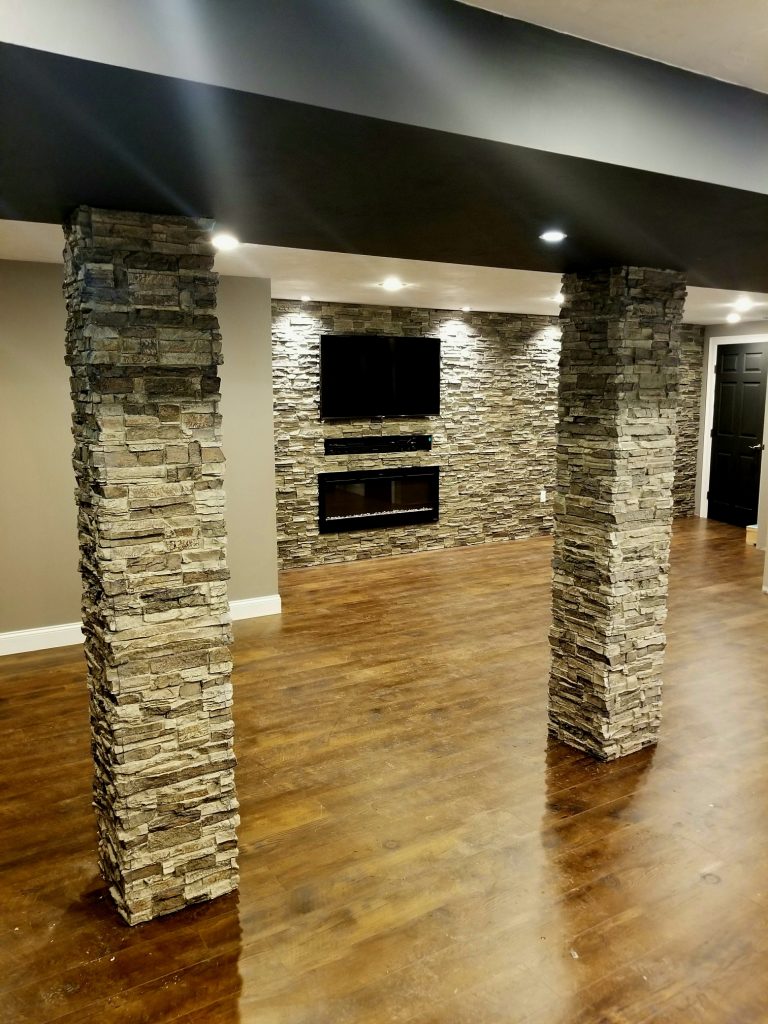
(613, 507)
(143, 346)
(691, 339)
(494, 439)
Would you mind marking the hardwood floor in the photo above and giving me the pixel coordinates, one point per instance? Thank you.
(413, 848)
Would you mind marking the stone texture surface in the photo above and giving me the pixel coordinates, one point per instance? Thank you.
(691, 341)
(613, 508)
(143, 346)
(494, 440)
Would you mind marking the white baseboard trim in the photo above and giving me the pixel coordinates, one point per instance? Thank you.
(253, 607)
(20, 641)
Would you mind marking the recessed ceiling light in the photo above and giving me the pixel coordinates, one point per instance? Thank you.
(466, 309)
(733, 318)
(554, 236)
(743, 303)
(224, 241)
(306, 298)
(392, 284)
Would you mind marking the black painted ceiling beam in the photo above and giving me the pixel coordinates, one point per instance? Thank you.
(290, 174)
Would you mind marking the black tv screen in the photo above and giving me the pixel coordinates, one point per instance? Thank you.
(364, 375)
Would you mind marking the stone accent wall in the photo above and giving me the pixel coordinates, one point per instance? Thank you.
(143, 345)
(613, 508)
(691, 338)
(494, 440)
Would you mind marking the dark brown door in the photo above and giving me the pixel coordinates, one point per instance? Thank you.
(737, 434)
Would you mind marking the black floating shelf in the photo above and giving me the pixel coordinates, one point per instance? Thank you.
(379, 445)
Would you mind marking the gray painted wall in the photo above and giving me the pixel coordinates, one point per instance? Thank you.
(432, 63)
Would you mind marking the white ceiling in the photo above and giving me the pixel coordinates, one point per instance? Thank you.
(722, 40)
(346, 277)
(726, 40)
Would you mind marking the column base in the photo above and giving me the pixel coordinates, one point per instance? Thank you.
(610, 752)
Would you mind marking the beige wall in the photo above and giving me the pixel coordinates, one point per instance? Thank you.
(39, 583)
(246, 389)
(38, 534)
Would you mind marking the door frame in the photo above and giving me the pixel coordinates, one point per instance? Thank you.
(707, 420)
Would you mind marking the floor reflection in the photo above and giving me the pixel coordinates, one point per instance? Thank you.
(413, 850)
(84, 964)
(587, 831)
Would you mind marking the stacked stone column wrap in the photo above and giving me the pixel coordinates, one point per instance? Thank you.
(613, 507)
(143, 345)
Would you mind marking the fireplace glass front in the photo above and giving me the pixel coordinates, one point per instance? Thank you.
(361, 500)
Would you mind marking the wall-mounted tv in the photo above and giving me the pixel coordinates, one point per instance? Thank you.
(366, 376)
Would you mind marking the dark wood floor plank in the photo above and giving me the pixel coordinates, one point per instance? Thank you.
(413, 848)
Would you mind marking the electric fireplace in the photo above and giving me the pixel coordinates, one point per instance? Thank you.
(362, 500)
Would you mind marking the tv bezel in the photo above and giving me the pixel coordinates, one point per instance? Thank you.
(384, 416)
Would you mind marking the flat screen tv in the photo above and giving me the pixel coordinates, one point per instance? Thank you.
(366, 376)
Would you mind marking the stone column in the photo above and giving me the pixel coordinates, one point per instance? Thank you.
(613, 507)
(143, 345)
